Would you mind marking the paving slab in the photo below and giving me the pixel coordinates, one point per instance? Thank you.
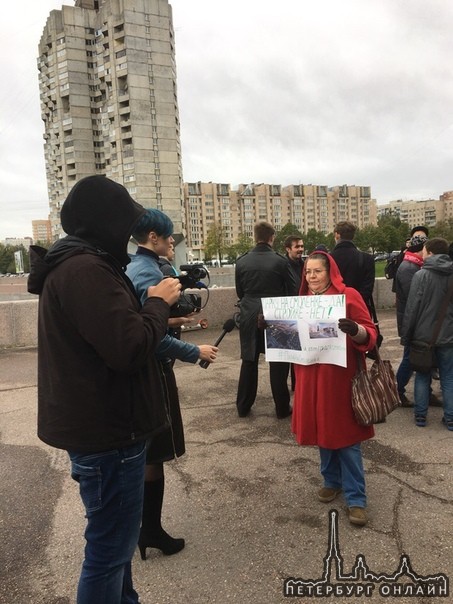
(243, 497)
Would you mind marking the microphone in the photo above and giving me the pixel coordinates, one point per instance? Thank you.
(228, 326)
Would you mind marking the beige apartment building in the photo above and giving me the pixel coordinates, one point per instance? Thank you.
(107, 79)
(236, 211)
(42, 230)
(427, 212)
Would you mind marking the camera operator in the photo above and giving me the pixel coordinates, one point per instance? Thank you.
(153, 233)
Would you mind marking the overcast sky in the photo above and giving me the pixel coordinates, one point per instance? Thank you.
(283, 92)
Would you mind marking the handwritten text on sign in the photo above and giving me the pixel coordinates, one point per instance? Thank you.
(304, 329)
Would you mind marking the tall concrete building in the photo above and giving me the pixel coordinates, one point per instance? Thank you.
(236, 211)
(107, 79)
(42, 230)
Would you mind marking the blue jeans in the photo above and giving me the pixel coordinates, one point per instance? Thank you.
(111, 489)
(343, 469)
(404, 371)
(422, 390)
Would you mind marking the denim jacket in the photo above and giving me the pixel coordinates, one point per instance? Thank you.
(144, 271)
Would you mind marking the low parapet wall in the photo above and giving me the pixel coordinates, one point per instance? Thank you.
(18, 318)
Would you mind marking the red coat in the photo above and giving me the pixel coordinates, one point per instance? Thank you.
(322, 411)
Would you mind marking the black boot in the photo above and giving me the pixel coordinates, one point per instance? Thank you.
(151, 533)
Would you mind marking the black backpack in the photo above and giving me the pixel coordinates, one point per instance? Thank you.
(392, 265)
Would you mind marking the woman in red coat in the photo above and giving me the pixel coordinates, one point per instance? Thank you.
(322, 410)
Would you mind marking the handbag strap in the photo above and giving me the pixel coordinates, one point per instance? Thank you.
(361, 360)
(442, 313)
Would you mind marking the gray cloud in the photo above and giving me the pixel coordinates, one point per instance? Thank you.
(328, 92)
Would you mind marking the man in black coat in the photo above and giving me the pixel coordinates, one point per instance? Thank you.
(294, 247)
(356, 267)
(260, 273)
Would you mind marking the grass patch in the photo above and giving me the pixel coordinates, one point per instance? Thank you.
(379, 268)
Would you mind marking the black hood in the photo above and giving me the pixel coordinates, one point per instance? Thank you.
(43, 261)
(102, 213)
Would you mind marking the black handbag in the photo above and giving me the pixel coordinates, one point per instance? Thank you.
(422, 356)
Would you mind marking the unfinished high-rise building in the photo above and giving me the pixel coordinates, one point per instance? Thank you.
(107, 79)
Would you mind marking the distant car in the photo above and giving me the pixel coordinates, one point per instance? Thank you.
(380, 257)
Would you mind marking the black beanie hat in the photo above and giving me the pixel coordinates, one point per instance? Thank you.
(420, 228)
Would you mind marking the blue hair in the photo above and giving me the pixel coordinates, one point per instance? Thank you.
(154, 220)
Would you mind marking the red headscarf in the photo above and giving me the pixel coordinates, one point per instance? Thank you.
(335, 275)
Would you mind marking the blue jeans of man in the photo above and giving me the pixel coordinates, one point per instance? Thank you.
(404, 371)
(343, 469)
(111, 489)
(422, 389)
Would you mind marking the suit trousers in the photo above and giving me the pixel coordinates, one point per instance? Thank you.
(248, 386)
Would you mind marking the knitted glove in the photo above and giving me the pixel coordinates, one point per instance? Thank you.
(348, 326)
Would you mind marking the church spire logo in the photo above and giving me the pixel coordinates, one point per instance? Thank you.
(362, 582)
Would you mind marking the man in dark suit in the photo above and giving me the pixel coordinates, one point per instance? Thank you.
(294, 247)
(356, 267)
(260, 273)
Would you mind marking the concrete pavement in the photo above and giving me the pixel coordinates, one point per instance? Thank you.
(243, 496)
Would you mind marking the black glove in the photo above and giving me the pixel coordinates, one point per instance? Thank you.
(348, 326)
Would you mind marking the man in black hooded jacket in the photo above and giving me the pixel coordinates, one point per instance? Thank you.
(98, 382)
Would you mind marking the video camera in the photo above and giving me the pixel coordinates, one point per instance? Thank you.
(191, 275)
(191, 278)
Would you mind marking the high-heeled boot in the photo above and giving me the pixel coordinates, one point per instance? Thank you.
(151, 533)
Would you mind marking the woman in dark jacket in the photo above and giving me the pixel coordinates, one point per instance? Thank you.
(99, 387)
(153, 234)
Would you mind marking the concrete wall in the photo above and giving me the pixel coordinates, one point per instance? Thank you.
(18, 319)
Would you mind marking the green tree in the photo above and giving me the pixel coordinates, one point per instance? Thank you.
(312, 238)
(215, 242)
(243, 244)
(7, 261)
(443, 228)
(392, 233)
(367, 239)
(288, 229)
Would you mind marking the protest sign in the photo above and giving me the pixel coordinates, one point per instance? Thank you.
(304, 329)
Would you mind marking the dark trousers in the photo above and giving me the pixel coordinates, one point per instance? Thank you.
(248, 386)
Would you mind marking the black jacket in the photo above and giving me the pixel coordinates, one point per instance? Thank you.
(260, 273)
(356, 268)
(99, 385)
(296, 267)
(402, 286)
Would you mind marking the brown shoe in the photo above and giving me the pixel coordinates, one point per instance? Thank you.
(327, 494)
(358, 516)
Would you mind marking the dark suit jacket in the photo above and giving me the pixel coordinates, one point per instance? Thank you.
(296, 268)
(356, 268)
(260, 273)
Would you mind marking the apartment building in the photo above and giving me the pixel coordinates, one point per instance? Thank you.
(428, 211)
(26, 242)
(236, 211)
(107, 78)
(41, 230)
